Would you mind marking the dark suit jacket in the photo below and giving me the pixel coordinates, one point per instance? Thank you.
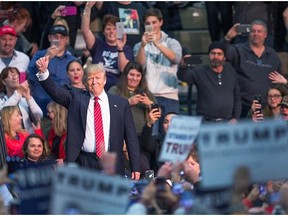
(121, 124)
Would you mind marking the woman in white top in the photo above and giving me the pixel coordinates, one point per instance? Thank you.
(12, 93)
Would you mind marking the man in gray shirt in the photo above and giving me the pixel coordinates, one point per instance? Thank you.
(218, 93)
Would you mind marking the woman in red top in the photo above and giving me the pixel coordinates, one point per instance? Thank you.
(15, 135)
(58, 131)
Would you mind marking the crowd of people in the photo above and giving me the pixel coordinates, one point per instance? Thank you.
(56, 108)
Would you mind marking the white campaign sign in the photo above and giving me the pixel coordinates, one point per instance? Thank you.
(179, 138)
(80, 191)
(260, 147)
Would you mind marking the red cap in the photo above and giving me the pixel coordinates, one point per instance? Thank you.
(7, 30)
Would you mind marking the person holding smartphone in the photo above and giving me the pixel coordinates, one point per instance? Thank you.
(253, 61)
(113, 52)
(160, 55)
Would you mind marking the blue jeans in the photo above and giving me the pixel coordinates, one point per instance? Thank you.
(167, 106)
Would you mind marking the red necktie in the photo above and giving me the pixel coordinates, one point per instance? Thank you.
(98, 127)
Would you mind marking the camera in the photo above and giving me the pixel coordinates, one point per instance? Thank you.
(258, 98)
(243, 28)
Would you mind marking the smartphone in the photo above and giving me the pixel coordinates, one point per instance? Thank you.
(149, 175)
(262, 189)
(243, 28)
(141, 91)
(193, 60)
(22, 77)
(148, 28)
(69, 11)
(155, 106)
(120, 29)
(258, 99)
(55, 42)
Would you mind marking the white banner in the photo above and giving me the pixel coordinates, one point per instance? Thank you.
(179, 138)
(77, 190)
(260, 147)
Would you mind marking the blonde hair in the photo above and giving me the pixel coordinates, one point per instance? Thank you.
(6, 114)
(92, 68)
(61, 21)
(60, 118)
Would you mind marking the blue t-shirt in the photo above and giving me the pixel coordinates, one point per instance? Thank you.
(108, 55)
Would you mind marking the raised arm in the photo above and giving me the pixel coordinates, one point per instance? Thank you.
(85, 25)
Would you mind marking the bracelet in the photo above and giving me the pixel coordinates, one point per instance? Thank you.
(120, 50)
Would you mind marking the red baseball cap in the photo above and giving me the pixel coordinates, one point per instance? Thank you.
(7, 30)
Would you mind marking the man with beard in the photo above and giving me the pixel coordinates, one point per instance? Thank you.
(218, 93)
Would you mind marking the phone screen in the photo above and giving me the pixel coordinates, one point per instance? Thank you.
(148, 28)
(120, 29)
(55, 42)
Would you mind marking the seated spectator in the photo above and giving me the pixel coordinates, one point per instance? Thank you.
(14, 94)
(112, 52)
(58, 130)
(133, 86)
(35, 150)
(284, 108)
(15, 135)
(272, 110)
(10, 56)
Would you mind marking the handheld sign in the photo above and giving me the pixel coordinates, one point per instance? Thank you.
(260, 147)
(179, 138)
(82, 191)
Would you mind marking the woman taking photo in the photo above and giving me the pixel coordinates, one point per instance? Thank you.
(133, 86)
(15, 135)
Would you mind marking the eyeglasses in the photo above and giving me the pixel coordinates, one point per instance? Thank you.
(12, 76)
(274, 96)
(219, 79)
(282, 106)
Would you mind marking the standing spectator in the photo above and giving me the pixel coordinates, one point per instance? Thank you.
(160, 55)
(112, 52)
(60, 58)
(129, 12)
(14, 133)
(14, 94)
(87, 133)
(253, 61)
(218, 93)
(8, 55)
(214, 23)
(58, 131)
(133, 86)
(246, 12)
(75, 73)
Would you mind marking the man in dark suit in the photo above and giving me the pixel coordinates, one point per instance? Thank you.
(116, 114)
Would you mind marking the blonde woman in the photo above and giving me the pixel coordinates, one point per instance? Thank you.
(58, 131)
(15, 135)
